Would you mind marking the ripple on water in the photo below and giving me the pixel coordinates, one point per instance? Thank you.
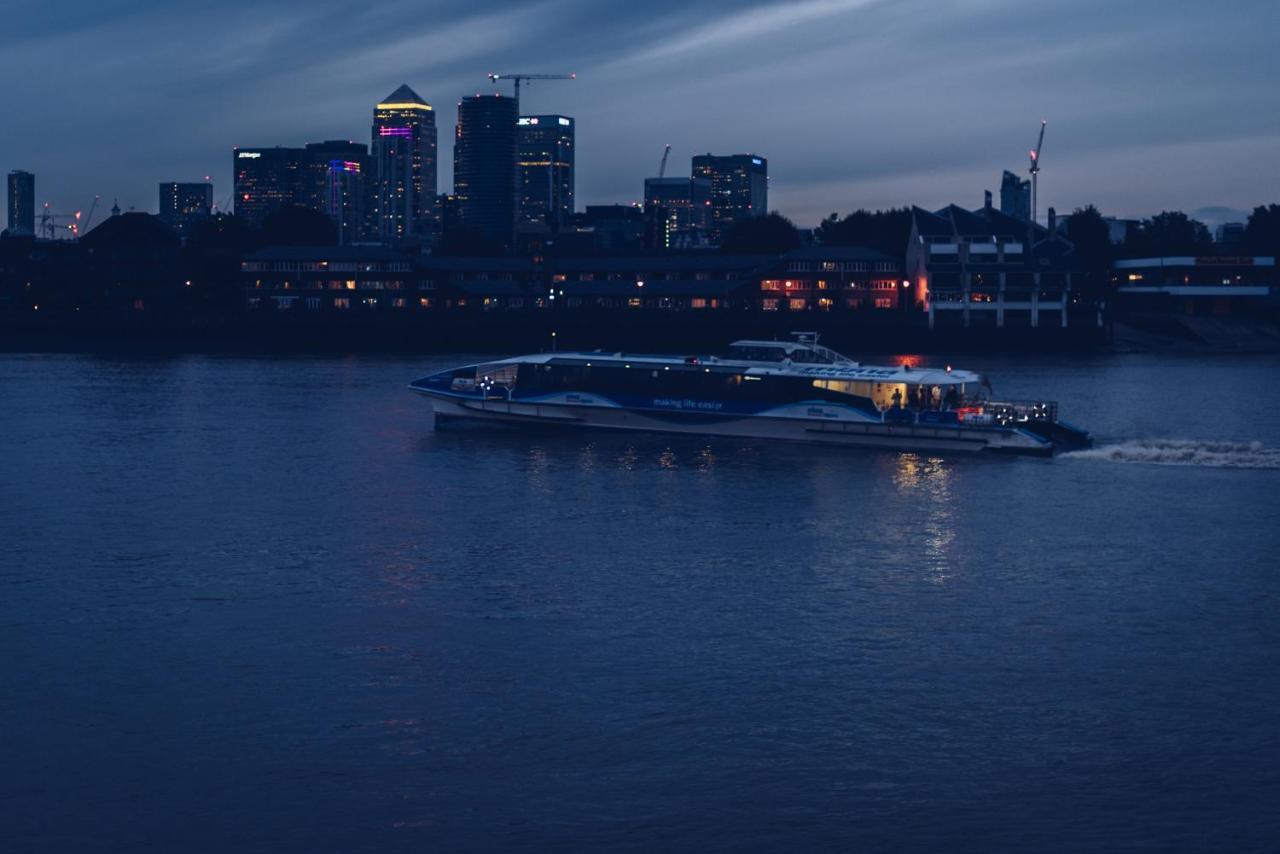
(1185, 452)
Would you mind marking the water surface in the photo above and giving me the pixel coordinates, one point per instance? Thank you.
(260, 605)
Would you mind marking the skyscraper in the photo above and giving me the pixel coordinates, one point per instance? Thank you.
(1015, 196)
(484, 166)
(739, 188)
(678, 211)
(342, 189)
(268, 178)
(546, 169)
(404, 155)
(182, 204)
(22, 202)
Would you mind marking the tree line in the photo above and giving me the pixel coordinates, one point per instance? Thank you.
(887, 231)
(1166, 233)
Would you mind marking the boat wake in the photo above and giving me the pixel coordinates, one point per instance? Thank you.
(1185, 452)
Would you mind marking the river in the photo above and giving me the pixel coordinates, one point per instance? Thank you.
(261, 605)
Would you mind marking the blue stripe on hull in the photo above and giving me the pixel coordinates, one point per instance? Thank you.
(847, 433)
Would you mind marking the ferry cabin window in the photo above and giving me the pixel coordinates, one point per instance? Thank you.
(503, 375)
(881, 394)
(646, 381)
(861, 389)
(749, 353)
(810, 357)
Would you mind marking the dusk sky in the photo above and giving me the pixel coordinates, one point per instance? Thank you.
(1152, 104)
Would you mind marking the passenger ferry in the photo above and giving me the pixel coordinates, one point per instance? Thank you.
(793, 390)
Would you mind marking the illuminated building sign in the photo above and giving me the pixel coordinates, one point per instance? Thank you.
(343, 166)
(249, 155)
(564, 121)
(756, 161)
(395, 131)
(525, 120)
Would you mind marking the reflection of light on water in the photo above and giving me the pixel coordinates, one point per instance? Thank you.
(543, 464)
(587, 457)
(914, 472)
(538, 461)
(927, 481)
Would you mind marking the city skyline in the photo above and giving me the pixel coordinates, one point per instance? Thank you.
(857, 104)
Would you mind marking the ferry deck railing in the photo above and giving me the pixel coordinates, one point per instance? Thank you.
(1012, 411)
(999, 412)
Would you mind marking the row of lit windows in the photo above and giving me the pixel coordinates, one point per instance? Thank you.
(324, 267)
(343, 285)
(637, 302)
(823, 304)
(640, 277)
(1008, 297)
(315, 303)
(771, 285)
(840, 266)
(1202, 278)
(822, 285)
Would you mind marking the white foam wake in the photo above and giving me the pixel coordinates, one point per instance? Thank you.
(1185, 452)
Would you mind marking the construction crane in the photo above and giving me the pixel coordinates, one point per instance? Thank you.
(518, 77)
(1035, 167)
(88, 220)
(53, 224)
(662, 167)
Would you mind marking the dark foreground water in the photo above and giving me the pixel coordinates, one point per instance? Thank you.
(261, 606)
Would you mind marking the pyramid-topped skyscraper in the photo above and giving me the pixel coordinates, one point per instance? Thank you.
(404, 156)
(404, 97)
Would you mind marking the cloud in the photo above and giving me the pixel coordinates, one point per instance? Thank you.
(727, 30)
(848, 99)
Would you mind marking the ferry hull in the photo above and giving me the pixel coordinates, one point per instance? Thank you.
(812, 430)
